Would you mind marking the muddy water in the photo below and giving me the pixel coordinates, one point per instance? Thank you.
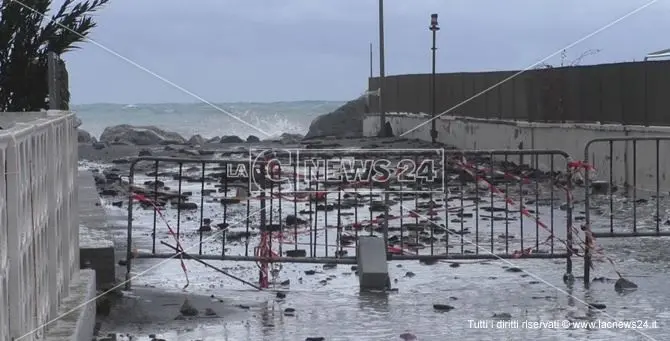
(328, 303)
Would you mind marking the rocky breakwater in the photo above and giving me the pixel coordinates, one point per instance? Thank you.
(126, 141)
(345, 121)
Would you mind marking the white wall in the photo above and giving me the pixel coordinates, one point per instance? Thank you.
(469, 133)
(39, 229)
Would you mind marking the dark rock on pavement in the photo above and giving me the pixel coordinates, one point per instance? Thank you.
(502, 316)
(513, 269)
(296, 253)
(598, 306)
(293, 220)
(442, 307)
(408, 337)
(623, 284)
(187, 309)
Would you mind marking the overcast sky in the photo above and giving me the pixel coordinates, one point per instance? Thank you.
(273, 50)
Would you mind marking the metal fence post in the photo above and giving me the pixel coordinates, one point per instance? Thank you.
(587, 221)
(386, 223)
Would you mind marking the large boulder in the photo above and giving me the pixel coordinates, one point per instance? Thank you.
(345, 121)
(84, 137)
(140, 135)
(196, 140)
(231, 139)
(214, 139)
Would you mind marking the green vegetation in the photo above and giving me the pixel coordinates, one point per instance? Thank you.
(26, 37)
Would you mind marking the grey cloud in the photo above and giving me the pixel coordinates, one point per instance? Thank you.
(227, 50)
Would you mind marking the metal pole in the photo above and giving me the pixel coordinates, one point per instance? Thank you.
(53, 83)
(382, 112)
(433, 130)
(371, 73)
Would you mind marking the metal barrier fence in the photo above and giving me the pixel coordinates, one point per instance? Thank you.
(38, 223)
(310, 206)
(637, 209)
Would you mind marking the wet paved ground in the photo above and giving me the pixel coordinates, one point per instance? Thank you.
(476, 291)
(328, 303)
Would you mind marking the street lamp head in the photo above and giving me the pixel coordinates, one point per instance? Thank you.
(433, 22)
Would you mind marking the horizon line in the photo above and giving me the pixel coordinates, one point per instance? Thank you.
(191, 103)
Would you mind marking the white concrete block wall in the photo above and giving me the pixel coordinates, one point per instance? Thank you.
(38, 217)
(470, 133)
(4, 264)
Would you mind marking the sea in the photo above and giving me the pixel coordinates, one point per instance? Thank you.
(242, 119)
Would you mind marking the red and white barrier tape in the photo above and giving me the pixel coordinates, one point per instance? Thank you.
(471, 170)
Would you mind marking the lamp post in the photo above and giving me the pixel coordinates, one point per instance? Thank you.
(382, 111)
(434, 28)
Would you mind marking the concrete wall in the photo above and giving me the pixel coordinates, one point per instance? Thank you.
(471, 133)
(39, 229)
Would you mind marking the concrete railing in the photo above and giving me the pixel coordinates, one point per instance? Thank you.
(39, 229)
